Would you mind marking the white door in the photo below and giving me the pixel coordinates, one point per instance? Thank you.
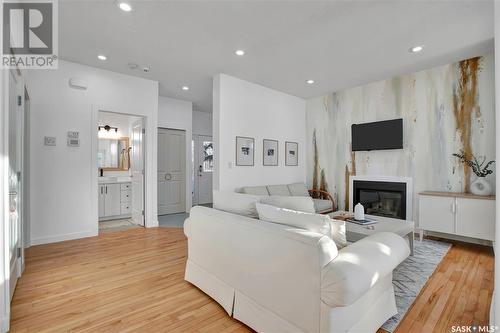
(15, 178)
(203, 169)
(171, 171)
(112, 204)
(137, 171)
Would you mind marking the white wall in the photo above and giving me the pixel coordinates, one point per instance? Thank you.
(177, 114)
(495, 318)
(246, 109)
(63, 179)
(202, 123)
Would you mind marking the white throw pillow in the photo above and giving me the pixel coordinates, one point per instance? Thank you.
(236, 203)
(300, 204)
(313, 222)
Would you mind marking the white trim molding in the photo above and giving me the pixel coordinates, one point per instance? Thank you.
(390, 179)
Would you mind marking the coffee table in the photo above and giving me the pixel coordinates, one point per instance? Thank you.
(355, 232)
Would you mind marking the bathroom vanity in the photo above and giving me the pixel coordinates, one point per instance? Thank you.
(115, 198)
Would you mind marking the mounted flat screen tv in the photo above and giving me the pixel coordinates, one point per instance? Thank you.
(380, 135)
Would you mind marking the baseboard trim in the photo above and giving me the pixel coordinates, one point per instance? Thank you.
(62, 238)
(4, 324)
(459, 238)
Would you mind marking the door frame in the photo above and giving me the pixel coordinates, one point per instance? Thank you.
(21, 89)
(150, 220)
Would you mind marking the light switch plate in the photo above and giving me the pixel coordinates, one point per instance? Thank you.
(50, 140)
(73, 142)
(73, 135)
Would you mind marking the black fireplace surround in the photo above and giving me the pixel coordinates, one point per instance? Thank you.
(380, 198)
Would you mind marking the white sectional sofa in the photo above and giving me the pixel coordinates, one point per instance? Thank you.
(277, 278)
(321, 206)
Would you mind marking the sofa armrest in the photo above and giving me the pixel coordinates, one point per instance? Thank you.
(359, 266)
(320, 194)
(187, 228)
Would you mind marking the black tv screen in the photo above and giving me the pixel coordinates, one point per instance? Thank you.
(379, 135)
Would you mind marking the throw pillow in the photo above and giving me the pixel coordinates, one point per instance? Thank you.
(236, 203)
(300, 204)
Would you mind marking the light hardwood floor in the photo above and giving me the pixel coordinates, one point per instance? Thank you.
(132, 281)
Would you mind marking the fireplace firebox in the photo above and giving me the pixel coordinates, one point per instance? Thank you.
(381, 198)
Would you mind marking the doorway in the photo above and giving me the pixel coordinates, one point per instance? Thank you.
(171, 171)
(203, 154)
(121, 168)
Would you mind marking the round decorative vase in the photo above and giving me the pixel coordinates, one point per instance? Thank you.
(480, 186)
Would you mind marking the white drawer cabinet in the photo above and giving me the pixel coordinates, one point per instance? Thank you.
(458, 214)
(114, 200)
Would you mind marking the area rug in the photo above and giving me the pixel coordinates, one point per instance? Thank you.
(412, 274)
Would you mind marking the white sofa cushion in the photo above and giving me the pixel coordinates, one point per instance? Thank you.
(281, 190)
(236, 203)
(322, 205)
(301, 204)
(255, 190)
(321, 224)
(298, 190)
(359, 266)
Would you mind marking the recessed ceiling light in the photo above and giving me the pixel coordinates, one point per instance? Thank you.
(126, 7)
(185, 88)
(416, 49)
(309, 81)
(101, 57)
(239, 52)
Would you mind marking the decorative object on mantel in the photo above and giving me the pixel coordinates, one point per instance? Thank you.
(359, 212)
(479, 186)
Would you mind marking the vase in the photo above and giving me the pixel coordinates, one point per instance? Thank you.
(480, 186)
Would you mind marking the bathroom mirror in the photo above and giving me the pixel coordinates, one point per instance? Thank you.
(113, 154)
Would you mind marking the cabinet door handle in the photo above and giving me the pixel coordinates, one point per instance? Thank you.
(106, 190)
(453, 207)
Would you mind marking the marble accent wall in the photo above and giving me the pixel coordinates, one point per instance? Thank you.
(444, 110)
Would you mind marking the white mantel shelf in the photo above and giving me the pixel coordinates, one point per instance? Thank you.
(457, 195)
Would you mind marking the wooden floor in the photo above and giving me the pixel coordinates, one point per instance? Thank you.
(132, 281)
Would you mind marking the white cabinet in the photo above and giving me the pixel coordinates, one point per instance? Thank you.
(437, 214)
(476, 218)
(114, 200)
(458, 214)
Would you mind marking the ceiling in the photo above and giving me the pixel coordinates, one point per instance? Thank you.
(339, 44)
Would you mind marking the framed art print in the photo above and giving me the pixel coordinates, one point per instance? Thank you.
(291, 153)
(245, 151)
(270, 152)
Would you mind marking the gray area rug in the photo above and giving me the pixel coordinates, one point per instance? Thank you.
(412, 274)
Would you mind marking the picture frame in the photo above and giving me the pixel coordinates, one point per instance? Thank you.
(245, 151)
(291, 153)
(270, 152)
